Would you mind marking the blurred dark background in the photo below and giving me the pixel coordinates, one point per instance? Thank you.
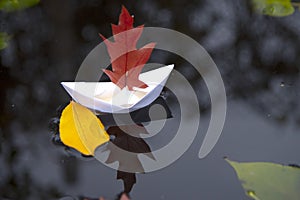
(257, 55)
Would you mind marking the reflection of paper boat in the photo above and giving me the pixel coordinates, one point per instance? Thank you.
(107, 97)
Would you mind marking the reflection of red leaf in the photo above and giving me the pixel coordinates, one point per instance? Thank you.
(127, 60)
(129, 180)
(131, 143)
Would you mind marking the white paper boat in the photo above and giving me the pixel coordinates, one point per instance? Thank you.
(107, 97)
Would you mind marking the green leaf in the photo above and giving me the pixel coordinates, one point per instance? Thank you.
(268, 181)
(4, 38)
(14, 5)
(275, 8)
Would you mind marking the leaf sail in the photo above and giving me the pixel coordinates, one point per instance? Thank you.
(127, 61)
(80, 129)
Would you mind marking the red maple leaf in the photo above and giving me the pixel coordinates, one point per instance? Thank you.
(127, 61)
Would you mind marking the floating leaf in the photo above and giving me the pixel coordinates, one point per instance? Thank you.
(127, 60)
(275, 8)
(80, 129)
(14, 5)
(4, 38)
(268, 181)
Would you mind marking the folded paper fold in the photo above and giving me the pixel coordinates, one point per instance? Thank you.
(109, 98)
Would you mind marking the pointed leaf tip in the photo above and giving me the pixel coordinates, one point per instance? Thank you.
(125, 17)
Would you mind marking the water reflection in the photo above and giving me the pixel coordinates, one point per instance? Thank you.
(125, 132)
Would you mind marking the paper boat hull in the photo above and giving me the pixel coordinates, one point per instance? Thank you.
(101, 96)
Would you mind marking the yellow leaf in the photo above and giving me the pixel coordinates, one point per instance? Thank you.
(80, 129)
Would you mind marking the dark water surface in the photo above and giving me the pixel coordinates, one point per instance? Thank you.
(258, 57)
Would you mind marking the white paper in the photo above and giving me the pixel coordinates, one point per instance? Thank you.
(109, 98)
